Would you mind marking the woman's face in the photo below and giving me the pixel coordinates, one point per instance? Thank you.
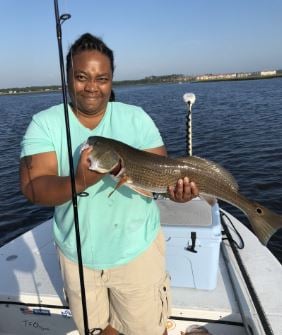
(90, 82)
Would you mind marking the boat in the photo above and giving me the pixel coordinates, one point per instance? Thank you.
(223, 280)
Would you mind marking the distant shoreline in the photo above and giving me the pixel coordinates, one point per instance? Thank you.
(30, 92)
(238, 79)
(172, 79)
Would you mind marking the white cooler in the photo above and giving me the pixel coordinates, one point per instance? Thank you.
(193, 236)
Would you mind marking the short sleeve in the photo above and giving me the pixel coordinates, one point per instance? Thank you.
(37, 138)
(149, 134)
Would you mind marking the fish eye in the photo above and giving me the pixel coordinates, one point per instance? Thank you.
(259, 210)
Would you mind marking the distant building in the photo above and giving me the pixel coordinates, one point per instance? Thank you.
(217, 76)
(244, 74)
(268, 73)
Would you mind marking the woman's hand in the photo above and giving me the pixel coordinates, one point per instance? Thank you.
(85, 177)
(183, 191)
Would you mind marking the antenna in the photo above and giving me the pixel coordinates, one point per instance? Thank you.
(189, 99)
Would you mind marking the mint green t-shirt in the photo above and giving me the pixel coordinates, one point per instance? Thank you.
(113, 230)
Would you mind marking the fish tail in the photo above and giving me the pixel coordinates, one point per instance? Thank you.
(264, 222)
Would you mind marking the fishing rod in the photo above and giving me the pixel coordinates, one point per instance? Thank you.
(60, 19)
(189, 99)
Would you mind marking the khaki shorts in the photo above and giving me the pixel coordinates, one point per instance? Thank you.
(133, 298)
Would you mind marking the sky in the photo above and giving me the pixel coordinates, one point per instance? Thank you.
(148, 37)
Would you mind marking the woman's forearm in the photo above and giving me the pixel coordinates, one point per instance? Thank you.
(50, 190)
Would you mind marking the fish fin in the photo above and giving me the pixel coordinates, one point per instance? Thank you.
(122, 181)
(141, 191)
(127, 181)
(220, 171)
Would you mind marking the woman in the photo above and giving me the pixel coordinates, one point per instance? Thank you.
(127, 288)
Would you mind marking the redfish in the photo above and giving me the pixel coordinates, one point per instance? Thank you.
(147, 172)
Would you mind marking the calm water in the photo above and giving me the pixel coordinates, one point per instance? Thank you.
(237, 124)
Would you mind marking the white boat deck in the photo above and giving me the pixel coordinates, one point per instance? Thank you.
(31, 288)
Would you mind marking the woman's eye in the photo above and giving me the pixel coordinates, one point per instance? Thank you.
(80, 78)
(102, 80)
